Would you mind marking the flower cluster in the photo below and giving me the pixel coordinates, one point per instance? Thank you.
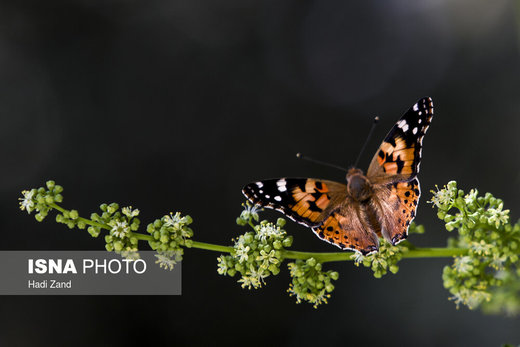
(122, 224)
(387, 257)
(488, 274)
(256, 254)
(382, 261)
(310, 283)
(170, 234)
(41, 200)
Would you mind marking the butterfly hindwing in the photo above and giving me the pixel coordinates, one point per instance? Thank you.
(398, 158)
(304, 200)
(397, 206)
(345, 230)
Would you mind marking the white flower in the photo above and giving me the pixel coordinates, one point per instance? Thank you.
(318, 299)
(26, 203)
(131, 254)
(481, 248)
(498, 262)
(267, 231)
(120, 229)
(267, 258)
(471, 196)
(127, 211)
(222, 266)
(498, 216)
(253, 278)
(470, 298)
(442, 198)
(175, 220)
(357, 257)
(241, 252)
(167, 260)
(250, 212)
(463, 264)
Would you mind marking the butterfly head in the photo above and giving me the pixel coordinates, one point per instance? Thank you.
(358, 185)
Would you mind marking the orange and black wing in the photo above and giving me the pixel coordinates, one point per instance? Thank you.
(347, 228)
(399, 156)
(304, 200)
(396, 205)
(321, 205)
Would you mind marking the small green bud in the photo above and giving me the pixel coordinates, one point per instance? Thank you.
(74, 214)
(311, 262)
(241, 221)
(280, 222)
(39, 217)
(287, 242)
(93, 231)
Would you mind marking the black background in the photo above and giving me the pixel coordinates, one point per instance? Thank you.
(175, 105)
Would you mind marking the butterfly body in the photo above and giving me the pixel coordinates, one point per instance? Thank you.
(354, 215)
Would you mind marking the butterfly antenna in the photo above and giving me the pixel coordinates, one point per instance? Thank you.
(304, 157)
(376, 119)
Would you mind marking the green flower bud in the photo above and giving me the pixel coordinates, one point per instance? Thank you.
(287, 242)
(277, 244)
(311, 262)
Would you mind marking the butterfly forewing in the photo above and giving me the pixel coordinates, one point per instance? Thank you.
(399, 156)
(304, 200)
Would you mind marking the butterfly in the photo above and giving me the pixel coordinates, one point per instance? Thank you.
(380, 203)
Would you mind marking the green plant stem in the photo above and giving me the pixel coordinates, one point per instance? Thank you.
(322, 257)
(211, 247)
(86, 221)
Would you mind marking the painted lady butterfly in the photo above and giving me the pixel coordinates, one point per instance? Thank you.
(352, 216)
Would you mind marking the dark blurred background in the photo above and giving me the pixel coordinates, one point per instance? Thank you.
(175, 105)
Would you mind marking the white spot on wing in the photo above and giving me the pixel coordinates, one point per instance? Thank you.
(416, 107)
(414, 131)
(277, 198)
(259, 184)
(282, 185)
(405, 127)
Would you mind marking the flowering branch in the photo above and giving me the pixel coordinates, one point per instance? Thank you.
(485, 242)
